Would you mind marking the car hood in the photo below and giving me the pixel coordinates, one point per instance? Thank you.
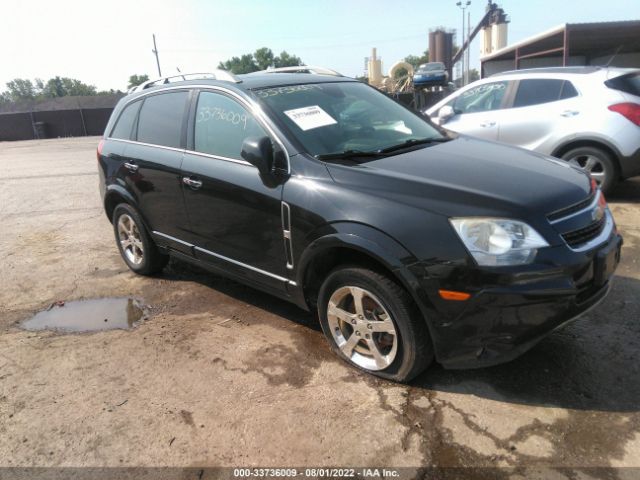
(467, 176)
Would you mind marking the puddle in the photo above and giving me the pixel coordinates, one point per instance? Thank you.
(89, 315)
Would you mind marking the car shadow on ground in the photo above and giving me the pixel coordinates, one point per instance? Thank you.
(625, 192)
(593, 364)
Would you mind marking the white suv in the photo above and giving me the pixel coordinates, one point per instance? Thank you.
(589, 116)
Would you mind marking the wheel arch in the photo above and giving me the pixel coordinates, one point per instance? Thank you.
(590, 142)
(375, 251)
(115, 195)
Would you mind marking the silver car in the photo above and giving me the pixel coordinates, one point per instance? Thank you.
(589, 116)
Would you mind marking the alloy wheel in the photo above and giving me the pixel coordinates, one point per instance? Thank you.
(591, 164)
(362, 328)
(130, 239)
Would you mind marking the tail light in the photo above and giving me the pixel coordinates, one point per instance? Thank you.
(99, 151)
(630, 111)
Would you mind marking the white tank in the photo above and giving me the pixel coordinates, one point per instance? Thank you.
(375, 69)
(485, 41)
(499, 36)
(493, 37)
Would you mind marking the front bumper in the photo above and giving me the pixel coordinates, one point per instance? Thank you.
(513, 309)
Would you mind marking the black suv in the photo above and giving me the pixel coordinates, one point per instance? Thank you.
(411, 242)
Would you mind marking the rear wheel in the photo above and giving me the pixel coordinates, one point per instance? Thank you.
(373, 323)
(136, 247)
(595, 162)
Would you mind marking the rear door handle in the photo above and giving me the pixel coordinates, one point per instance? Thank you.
(488, 124)
(131, 166)
(570, 113)
(195, 184)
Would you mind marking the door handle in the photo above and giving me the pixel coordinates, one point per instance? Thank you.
(131, 167)
(570, 113)
(195, 184)
(487, 124)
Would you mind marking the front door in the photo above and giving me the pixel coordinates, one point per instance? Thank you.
(235, 215)
(477, 110)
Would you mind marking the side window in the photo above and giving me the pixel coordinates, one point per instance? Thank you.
(124, 125)
(481, 98)
(222, 124)
(161, 117)
(541, 90)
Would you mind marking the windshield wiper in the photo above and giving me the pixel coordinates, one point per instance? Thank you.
(348, 154)
(412, 142)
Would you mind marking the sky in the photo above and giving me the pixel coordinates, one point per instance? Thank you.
(103, 43)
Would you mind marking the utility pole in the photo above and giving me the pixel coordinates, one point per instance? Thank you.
(155, 52)
(463, 6)
(468, 48)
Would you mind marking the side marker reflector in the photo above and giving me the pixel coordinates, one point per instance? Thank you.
(451, 295)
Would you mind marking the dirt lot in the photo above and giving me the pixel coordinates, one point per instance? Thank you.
(222, 375)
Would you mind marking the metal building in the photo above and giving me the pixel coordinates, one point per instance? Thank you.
(570, 44)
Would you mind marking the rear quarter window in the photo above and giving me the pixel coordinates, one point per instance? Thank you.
(161, 119)
(123, 128)
(629, 83)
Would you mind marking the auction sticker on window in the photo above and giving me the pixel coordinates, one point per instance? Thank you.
(308, 118)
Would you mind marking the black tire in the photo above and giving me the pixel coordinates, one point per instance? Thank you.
(605, 164)
(151, 259)
(414, 346)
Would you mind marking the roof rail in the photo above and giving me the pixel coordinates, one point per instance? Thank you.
(584, 69)
(303, 69)
(221, 75)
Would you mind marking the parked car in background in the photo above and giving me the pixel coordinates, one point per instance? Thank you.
(323, 191)
(588, 116)
(433, 74)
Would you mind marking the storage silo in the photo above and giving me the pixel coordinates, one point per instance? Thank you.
(441, 48)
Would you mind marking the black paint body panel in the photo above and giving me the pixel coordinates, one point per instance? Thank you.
(395, 210)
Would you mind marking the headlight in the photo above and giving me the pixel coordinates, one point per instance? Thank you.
(498, 241)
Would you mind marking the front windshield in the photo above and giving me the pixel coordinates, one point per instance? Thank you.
(329, 118)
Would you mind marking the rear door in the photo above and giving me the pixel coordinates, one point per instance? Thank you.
(234, 213)
(477, 110)
(153, 163)
(541, 107)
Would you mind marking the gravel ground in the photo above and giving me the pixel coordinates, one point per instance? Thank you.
(222, 375)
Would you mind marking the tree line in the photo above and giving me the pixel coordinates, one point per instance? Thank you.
(25, 89)
(261, 59)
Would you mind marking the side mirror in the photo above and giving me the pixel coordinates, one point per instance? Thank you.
(258, 151)
(445, 114)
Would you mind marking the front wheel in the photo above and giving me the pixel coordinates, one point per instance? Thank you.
(595, 162)
(373, 323)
